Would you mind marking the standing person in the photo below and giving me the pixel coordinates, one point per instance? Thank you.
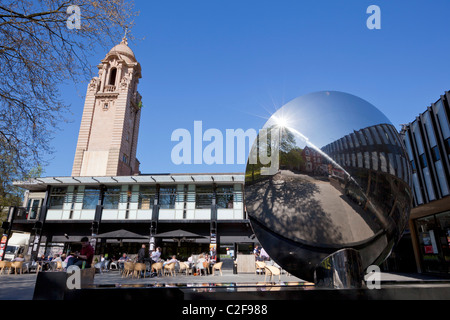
(256, 252)
(142, 254)
(264, 256)
(86, 255)
(156, 254)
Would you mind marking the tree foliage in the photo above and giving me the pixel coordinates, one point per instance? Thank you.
(38, 52)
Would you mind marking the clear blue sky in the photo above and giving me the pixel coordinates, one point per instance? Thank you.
(233, 63)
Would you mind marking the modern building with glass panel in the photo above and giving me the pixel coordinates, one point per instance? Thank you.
(427, 141)
(374, 156)
(107, 193)
(210, 205)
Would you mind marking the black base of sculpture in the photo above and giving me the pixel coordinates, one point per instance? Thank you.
(340, 270)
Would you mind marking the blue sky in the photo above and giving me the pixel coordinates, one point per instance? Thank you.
(231, 64)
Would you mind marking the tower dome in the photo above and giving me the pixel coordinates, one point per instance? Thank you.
(122, 49)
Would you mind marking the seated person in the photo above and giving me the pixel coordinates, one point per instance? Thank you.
(122, 260)
(85, 255)
(174, 259)
(19, 258)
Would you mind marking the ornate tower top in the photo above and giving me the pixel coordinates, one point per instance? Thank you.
(107, 141)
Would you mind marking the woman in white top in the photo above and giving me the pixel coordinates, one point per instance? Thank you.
(200, 261)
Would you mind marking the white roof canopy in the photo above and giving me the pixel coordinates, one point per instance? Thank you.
(40, 184)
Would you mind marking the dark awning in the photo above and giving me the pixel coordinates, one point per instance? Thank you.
(121, 234)
(63, 239)
(178, 234)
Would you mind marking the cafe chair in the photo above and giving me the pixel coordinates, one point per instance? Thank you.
(138, 269)
(158, 268)
(128, 269)
(259, 267)
(272, 271)
(170, 268)
(114, 264)
(16, 265)
(184, 267)
(4, 265)
(217, 266)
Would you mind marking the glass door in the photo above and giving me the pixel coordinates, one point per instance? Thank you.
(33, 208)
(434, 242)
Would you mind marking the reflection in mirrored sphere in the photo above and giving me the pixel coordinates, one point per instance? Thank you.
(328, 171)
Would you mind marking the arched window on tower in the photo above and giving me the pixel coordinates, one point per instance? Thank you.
(112, 76)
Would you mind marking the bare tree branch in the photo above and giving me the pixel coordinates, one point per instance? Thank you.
(38, 53)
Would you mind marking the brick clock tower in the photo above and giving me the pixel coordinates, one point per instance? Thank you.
(107, 140)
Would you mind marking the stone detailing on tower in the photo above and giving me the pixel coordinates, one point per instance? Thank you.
(107, 140)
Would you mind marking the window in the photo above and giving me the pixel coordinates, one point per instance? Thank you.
(224, 197)
(57, 196)
(33, 208)
(167, 197)
(90, 198)
(203, 196)
(375, 134)
(413, 166)
(435, 154)
(362, 139)
(447, 145)
(344, 143)
(423, 160)
(368, 136)
(112, 78)
(125, 158)
(146, 197)
(111, 198)
(105, 106)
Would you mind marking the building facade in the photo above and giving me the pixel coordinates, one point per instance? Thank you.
(58, 211)
(427, 141)
(106, 192)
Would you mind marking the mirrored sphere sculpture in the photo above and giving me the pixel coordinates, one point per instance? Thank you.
(327, 172)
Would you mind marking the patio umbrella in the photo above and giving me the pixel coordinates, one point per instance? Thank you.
(178, 235)
(121, 234)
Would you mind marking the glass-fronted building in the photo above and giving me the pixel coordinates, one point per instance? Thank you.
(427, 141)
(58, 211)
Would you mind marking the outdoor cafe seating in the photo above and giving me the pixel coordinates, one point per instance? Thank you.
(4, 265)
(17, 266)
(217, 266)
(169, 269)
(158, 268)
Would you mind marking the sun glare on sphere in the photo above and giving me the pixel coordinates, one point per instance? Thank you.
(281, 122)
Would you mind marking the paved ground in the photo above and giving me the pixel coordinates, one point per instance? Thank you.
(21, 287)
(303, 208)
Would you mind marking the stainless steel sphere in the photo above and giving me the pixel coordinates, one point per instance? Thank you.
(328, 171)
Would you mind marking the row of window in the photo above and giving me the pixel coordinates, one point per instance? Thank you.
(373, 135)
(429, 177)
(350, 151)
(204, 197)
